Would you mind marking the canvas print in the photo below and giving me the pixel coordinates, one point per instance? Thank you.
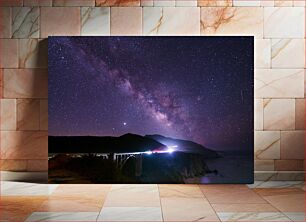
(151, 109)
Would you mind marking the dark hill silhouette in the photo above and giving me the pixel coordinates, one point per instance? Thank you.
(106, 144)
(124, 144)
(184, 145)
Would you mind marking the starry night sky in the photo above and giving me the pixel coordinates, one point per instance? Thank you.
(194, 88)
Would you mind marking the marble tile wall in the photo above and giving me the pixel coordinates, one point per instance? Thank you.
(278, 27)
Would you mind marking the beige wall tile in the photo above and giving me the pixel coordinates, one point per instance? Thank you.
(266, 3)
(126, 20)
(118, 3)
(43, 114)
(8, 53)
(73, 2)
(146, 2)
(37, 165)
(37, 2)
(284, 50)
(278, 176)
(25, 22)
(279, 114)
(299, 3)
(5, 22)
(263, 53)
(292, 144)
(284, 22)
(289, 165)
(258, 118)
(162, 3)
(232, 21)
(246, 3)
(280, 3)
(51, 17)
(186, 3)
(264, 165)
(171, 21)
(13, 165)
(33, 53)
(300, 114)
(305, 82)
(24, 145)
(4, 3)
(215, 3)
(8, 114)
(95, 21)
(267, 145)
(28, 114)
(279, 83)
(25, 83)
(1, 83)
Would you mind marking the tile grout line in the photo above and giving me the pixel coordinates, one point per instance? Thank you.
(161, 208)
(104, 202)
(278, 210)
(267, 202)
(209, 202)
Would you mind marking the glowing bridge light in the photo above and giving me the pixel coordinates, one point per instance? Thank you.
(170, 150)
(148, 152)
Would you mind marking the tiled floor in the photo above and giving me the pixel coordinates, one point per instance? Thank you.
(268, 201)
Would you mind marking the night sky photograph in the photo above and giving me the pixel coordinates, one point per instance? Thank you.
(151, 109)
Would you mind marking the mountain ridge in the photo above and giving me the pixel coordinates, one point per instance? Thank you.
(123, 144)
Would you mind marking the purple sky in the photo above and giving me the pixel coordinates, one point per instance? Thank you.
(195, 88)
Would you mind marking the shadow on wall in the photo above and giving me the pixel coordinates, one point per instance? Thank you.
(27, 148)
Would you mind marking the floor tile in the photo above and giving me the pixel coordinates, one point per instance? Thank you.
(82, 190)
(230, 194)
(277, 184)
(297, 216)
(122, 195)
(72, 204)
(266, 192)
(18, 208)
(9, 188)
(187, 209)
(274, 216)
(184, 190)
(264, 207)
(63, 216)
(130, 214)
(285, 200)
(264, 201)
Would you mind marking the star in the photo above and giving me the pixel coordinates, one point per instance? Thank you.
(97, 84)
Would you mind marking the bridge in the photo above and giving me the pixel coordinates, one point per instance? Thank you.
(121, 158)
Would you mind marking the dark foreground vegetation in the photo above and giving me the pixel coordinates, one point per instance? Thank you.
(155, 168)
